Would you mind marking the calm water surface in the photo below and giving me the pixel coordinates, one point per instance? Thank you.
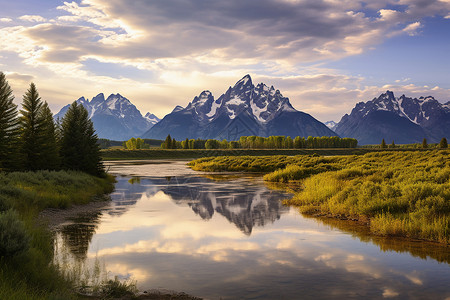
(227, 236)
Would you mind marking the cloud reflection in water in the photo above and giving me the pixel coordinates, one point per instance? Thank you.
(233, 239)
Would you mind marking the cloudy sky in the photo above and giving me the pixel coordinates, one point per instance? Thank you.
(325, 55)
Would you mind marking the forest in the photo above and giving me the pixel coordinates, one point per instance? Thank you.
(258, 142)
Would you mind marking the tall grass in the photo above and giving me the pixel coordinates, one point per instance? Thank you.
(121, 154)
(402, 193)
(29, 273)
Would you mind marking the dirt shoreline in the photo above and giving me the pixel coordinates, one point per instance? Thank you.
(55, 218)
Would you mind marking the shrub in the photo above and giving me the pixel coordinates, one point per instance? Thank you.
(13, 235)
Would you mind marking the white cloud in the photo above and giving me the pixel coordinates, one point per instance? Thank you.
(5, 20)
(33, 18)
(189, 46)
(412, 28)
(388, 14)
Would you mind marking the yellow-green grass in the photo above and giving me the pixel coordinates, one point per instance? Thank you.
(157, 153)
(402, 193)
(28, 272)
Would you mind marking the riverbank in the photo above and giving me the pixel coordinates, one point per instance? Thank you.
(27, 244)
(122, 154)
(396, 193)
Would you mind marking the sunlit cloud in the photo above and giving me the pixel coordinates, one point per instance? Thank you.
(390, 293)
(186, 47)
(412, 28)
(33, 18)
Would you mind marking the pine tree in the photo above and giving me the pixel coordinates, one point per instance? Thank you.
(50, 158)
(393, 144)
(31, 123)
(9, 128)
(383, 144)
(424, 143)
(79, 143)
(168, 142)
(443, 144)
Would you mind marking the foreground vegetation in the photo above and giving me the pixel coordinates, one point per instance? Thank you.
(399, 193)
(26, 247)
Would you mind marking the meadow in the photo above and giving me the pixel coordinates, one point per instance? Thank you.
(158, 153)
(26, 245)
(397, 193)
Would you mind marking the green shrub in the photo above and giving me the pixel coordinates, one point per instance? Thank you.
(14, 238)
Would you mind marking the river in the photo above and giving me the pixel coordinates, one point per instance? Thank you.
(228, 236)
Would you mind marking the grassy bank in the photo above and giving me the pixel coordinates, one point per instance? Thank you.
(26, 247)
(400, 193)
(121, 154)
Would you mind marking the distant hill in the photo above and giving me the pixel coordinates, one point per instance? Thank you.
(243, 110)
(115, 118)
(403, 120)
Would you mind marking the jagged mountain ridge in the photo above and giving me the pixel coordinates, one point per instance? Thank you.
(243, 110)
(402, 119)
(115, 117)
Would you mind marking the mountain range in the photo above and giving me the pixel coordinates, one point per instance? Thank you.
(246, 109)
(115, 117)
(243, 110)
(402, 120)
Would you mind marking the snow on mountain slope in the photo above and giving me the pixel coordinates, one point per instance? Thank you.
(115, 117)
(430, 118)
(244, 109)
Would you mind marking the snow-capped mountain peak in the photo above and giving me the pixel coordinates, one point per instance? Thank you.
(330, 124)
(115, 117)
(246, 81)
(416, 117)
(152, 118)
(261, 102)
(244, 109)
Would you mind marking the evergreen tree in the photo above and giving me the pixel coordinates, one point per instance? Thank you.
(168, 142)
(383, 144)
(79, 144)
(9, 128)
(32, 124)
(443, 144)
(393, 144)
(50, 158)
(424, 143)
(186, 144)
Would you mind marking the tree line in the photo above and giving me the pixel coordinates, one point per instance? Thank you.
(424, 145)
(32, 140)
(258, 142)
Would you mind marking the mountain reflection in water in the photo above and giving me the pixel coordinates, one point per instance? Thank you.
(229, 237)
(240, 201)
